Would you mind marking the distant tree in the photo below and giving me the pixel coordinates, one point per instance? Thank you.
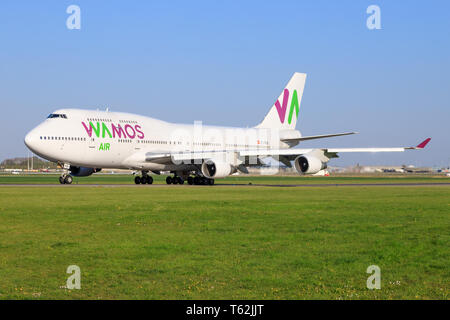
(22, 163)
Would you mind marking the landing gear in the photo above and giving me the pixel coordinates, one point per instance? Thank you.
(68, 179)
(191, 180)
(145, 179)
(197, 180)
(149, 180)
(207, 181)
(65, 179)
(174, 180)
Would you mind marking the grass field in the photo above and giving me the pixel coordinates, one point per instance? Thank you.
(224, 243)
(243, 179)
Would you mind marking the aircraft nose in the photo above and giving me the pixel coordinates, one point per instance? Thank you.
(31, 139)
(28, 139)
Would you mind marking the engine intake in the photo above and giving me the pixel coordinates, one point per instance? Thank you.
(213, 170)
(83, 171)
(307, 164)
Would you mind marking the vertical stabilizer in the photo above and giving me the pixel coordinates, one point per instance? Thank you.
(284, 112)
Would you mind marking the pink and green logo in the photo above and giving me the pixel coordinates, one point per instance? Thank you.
(101, 129)
(281, 109)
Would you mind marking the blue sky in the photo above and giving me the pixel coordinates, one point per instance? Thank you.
(225, 62)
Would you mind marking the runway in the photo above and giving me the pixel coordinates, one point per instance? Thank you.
(321, 185)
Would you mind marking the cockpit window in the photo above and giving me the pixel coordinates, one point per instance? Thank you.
(56, 115)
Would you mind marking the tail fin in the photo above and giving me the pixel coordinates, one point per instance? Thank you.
(284, 112)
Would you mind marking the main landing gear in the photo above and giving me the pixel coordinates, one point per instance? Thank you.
(65, 179)
(197, 180)
(145, 179)
(202, 181)
(174, 180)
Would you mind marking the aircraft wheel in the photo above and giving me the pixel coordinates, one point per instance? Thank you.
(180, 180)
(61, 180)
(137, 180)
(190, 180)
(174, 180)
(149, 180)
(68, 180)
(169, 180)
(211, 182)
(197, 180)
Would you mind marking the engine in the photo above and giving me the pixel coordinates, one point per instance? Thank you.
(213, 170)
(82, 171)
(308, 164)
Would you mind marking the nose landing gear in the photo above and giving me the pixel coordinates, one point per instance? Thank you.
(65, 179)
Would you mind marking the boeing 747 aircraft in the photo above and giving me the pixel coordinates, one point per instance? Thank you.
(85, 141)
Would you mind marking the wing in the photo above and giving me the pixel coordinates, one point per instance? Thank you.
(251, 157)
(291, 154)
(318, 137)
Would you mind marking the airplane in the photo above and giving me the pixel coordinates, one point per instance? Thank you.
(84, 142)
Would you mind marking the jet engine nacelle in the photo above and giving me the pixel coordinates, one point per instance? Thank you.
(82, 171)
(307, 164)
(213, 170)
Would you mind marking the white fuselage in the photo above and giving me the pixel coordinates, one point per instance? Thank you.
(102, 139)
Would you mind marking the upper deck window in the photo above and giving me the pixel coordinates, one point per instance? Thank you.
(56, 115)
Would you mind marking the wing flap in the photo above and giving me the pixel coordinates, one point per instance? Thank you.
(318, 137)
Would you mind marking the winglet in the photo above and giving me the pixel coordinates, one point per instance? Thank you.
(423, 144)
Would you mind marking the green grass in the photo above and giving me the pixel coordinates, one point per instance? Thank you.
(225, 243)
(242, 179)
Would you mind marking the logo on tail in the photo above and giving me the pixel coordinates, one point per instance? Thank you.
(282, 109)
(279, 116)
